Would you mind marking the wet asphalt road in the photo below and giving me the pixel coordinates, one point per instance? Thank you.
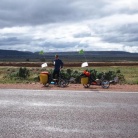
(67, 114)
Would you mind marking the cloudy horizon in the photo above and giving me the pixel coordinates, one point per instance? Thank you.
(69, 25)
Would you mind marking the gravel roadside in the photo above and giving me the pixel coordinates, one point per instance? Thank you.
(38, 86)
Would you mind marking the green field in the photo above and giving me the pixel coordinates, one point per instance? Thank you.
(8, 74)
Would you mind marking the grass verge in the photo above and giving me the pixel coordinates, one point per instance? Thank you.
(8, 74)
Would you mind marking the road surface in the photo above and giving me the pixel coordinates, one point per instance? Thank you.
(67, 114)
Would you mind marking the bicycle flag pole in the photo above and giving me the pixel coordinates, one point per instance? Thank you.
(82, 52)
(84, 64)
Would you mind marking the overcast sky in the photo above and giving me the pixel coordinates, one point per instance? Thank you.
(69, 25)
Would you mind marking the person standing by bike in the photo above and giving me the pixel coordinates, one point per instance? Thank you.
(58, 64)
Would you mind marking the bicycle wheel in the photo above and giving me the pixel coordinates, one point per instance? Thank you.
(86, 85)
(105, 84)
(67, 82)
(46, 84)
(62, 83)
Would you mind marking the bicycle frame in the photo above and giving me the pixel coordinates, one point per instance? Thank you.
(101, 82)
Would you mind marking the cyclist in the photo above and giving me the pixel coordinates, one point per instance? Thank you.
(58, 64)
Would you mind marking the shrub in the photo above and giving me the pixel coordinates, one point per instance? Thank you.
(121, 79)
(109, 75)
(23, 73)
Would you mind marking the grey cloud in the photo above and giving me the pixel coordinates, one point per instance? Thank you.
(14, 13)
(37, 12)
(129, 28)
(81, 35)
(58, 45)
(121, 39)
(43, 43)
(34, 12)
(128, 11)
(9, 41)
(13, 41)
(126, 34)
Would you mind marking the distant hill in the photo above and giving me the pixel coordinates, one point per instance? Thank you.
(13, 55)
(90, 56)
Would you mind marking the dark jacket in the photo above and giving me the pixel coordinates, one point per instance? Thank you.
(58, 64)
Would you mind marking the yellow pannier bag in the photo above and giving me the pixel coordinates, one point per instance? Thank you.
(44, 77)
(84, 80)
